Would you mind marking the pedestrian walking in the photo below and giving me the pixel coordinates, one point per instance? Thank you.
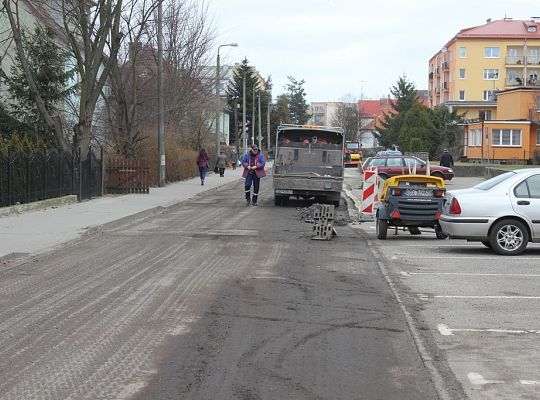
(253, 163)
(446, 159)
(221, 163)
(234, 158)
(202, 163)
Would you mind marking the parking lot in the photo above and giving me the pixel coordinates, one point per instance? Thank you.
(478, 310)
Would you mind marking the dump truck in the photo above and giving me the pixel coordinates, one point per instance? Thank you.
(308, 163)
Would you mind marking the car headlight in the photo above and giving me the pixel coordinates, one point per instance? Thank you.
(450, 170)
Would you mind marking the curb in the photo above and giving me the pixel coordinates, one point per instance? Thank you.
(38, 205)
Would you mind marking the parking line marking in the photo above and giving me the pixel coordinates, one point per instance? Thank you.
(477, 379)
(404, 273)
(525, 382)
(486, 297)
(444, 330)
(450, 258)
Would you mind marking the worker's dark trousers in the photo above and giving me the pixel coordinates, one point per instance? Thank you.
(252, 178)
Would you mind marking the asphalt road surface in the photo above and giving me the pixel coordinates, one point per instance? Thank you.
(210, 299)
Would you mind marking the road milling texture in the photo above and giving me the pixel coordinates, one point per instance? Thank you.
(207, 299)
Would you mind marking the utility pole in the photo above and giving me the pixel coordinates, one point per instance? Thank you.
(161, 127)
(218, 96)
(236, 123)
(259, 138)
(244, 133)
(252, 125)
(268, 144)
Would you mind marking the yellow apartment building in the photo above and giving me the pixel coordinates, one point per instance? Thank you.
(480, 61)
(514, 137)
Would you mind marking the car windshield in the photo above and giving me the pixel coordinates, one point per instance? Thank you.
(494, 181)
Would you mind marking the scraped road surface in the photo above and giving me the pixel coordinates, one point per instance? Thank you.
(208, 299)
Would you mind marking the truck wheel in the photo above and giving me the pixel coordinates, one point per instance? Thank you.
(278, 200)
(414, 230)
(381, 227)
(439, 232)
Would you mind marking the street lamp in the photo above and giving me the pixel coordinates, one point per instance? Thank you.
(218, 94)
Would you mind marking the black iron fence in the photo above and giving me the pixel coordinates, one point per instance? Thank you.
(32, 176)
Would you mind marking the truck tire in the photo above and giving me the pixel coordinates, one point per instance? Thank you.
(278, 200)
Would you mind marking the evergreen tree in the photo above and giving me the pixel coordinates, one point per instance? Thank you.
(418, 132)
(296, 97)
(235, 96)
(404, 93)
(447, 124)
(48, 65)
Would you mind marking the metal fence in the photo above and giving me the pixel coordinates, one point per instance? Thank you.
(32, 176)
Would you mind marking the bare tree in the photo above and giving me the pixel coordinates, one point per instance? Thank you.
(188, 41)
(347, 117)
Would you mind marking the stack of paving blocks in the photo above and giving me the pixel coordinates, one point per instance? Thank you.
(323, 222)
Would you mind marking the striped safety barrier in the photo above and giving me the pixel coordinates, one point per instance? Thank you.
(370, 191)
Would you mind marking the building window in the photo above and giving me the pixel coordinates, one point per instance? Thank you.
(488, 95)
(470, 139)
(538, 137)
(478, 138)
(462, 73)
(462, 52)
(491, 74)
(462, 95)
(487, 114)
(491, 52)
(506, 137)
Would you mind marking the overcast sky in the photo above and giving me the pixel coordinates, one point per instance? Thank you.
(355, 47)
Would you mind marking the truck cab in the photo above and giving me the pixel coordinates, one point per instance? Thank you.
(308, 163)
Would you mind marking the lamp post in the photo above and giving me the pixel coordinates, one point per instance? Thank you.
(236, 105)
(218, 112)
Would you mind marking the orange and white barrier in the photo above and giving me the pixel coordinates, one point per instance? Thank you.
(370, 195)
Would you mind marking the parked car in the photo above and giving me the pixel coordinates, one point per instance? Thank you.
(503, 212)
(393, 165)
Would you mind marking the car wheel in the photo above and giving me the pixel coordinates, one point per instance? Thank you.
(381, 228)
(439, 233)
(383, 176)
(437, 175)
(487, 244)
(509, 237)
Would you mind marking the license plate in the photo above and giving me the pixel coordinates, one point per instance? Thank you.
(283, 191)
(418, 193)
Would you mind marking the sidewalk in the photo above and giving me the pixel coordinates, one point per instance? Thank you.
(35, 231)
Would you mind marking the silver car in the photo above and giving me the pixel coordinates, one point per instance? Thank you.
(503, 212)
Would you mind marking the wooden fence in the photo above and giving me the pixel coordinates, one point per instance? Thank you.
(126, 176)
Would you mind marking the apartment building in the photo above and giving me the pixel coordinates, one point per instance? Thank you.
(480, 61)
(323, 112)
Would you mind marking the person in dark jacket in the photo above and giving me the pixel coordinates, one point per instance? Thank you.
(253, 163)
(202, 163)
(221, 163)
(446, 159)
(234, 158)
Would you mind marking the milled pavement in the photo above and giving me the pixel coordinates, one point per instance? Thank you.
(39, 230)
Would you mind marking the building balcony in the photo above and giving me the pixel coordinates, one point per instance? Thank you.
(445, 86)
(534, 115)
(445, 65)
(431, 76)
(515, 60)
(519, 81)
(533, 60)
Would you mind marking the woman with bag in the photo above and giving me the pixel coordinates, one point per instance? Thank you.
(221, 163)
(202, 163)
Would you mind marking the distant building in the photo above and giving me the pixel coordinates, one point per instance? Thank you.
(371, 112)
(323, 112)
(480, 61)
